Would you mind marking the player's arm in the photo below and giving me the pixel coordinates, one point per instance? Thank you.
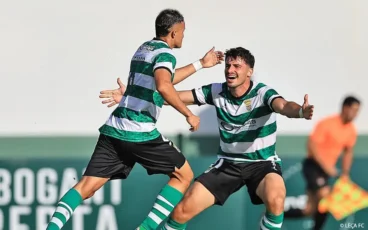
(278, 104)
(210, 59)
(166, 89)
(292, 109)
(184, 72)
(289, 109)
(198, 96)
(186, 96)
(168, 92)
(113, 96)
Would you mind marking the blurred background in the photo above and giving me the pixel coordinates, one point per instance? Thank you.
(56, 56)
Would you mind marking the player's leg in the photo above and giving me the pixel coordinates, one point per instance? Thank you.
(272, 192)
(266, 185)
(212, 187)
(103, 166)
(168, 198)
(66, 206)
(195, 200)
(161, 156)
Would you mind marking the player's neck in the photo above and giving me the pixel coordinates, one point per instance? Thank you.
(240, 90)
(166, 40)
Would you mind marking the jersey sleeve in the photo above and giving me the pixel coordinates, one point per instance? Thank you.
(268, 95)
(203, 95)
(165, 60)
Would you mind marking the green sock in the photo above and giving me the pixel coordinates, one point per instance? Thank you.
(65, 208)
(173, 225)
(272, 222)
(165, 202)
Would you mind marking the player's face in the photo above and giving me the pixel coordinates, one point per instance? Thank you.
(351, 112)
(178, 34)
(237, 71)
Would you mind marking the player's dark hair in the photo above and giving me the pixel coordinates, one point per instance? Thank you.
(244, 54)
(165, 20)
(350, 100)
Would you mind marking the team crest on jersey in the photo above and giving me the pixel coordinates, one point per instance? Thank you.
(248, 104)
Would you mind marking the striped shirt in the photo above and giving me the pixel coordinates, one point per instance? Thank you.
(247, 124)
(135, 118)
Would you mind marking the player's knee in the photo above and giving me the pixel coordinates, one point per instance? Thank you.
(85, 188)
(185, 174)
(89, 195)
(188, 178)
(275, 201)
(182, 212)
(84, 191)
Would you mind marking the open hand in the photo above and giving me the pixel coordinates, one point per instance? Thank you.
(114, 95)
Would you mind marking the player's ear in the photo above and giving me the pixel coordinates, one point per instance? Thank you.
(173, 34)
(250, 72)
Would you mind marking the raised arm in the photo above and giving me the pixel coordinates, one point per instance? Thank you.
(210, 59)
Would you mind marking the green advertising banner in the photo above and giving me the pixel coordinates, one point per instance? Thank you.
(30, 189)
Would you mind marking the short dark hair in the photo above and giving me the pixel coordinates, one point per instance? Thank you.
(165, 20)
(244, 54)
(350, 100)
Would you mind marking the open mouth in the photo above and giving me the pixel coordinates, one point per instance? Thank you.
(232, 77)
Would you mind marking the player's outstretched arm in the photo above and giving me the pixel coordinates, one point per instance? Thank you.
(293, 110)
(210, 59)
(186, 96)
(113, 96)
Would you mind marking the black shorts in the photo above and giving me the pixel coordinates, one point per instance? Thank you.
(224, 178)
(114, 158)
(314, 175)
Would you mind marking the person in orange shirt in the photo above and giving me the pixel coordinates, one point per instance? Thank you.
(332, 137)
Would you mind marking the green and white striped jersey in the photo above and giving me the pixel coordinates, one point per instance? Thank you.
(135, 118)
(247, 124)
